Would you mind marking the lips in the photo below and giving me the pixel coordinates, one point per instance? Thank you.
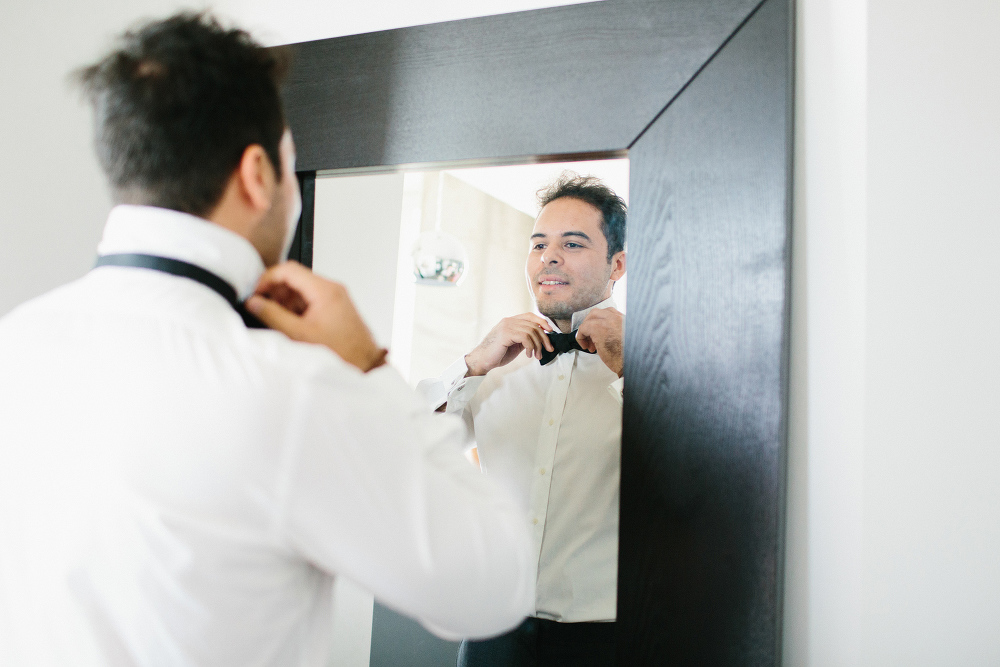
(552, 281)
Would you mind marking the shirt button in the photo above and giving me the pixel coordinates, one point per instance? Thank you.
(562, 377)
(534, 522)
(551, 422)
(542, 471)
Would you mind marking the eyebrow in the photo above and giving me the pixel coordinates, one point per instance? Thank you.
(564, 235)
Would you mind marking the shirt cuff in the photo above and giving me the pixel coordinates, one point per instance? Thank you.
(450, 387)
(461, 389)
(616, 390)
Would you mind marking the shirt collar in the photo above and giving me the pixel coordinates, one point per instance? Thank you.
(167, 233)
(580, 315)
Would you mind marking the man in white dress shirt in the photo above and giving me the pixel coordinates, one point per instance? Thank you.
(179, 489)
(551, 427)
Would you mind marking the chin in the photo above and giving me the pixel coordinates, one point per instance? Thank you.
(555, 311)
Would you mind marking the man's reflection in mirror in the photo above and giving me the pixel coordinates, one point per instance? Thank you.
(542, 394)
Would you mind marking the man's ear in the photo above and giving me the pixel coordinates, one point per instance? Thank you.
(257, 178)
(618, 265)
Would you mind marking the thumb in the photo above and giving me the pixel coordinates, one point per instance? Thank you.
(274, 315)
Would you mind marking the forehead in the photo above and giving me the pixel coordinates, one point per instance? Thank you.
(568, 214)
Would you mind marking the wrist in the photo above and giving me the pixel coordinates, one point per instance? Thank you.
(472, 369)
(378, 358)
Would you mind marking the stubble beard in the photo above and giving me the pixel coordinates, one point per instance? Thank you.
(563, 310)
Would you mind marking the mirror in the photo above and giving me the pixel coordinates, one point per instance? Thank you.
(700, 95)
(476, 223)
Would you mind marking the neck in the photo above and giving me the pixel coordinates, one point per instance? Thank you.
(566, 325)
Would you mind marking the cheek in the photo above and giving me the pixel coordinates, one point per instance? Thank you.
(295, 208)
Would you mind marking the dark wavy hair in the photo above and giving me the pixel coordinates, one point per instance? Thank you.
(177, 104)
(593, 191)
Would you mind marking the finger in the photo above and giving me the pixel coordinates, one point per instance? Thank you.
(529, 339)
(536, 328)
(546, 341)
(297, 277)
(287, 297)
(541, 341)
(586, 341)
(274, 315)
(534, 319)
(535, 335)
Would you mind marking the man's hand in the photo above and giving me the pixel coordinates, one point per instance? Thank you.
(295, 301)
(506, 340)
(602, 332)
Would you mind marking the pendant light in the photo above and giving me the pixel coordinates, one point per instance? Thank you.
(439, 258)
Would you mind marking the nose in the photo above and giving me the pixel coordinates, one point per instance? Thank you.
(551, 255)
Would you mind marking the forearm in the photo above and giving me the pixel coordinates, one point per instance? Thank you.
(426, 533)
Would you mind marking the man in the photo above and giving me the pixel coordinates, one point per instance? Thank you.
(550, 425)
(179, 489)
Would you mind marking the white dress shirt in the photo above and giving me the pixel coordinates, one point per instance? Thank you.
(553, 433)
(176, 489)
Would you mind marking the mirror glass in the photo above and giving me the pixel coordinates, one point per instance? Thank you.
(434, 258)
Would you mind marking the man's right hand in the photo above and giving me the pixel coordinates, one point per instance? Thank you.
(506, 340)
(305, 307)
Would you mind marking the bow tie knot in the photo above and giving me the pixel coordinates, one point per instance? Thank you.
(562, 342)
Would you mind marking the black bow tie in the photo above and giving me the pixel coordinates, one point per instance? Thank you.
(562, 342)
(176, 267)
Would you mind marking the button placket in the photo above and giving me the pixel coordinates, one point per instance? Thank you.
(555, 402)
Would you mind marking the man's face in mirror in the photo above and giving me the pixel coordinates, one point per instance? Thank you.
(568, 268)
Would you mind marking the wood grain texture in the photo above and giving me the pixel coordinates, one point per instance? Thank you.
(578, 79)
(704, 424)
(703, 462)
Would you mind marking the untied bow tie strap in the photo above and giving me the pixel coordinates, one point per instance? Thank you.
(176, 267)
(562, 342)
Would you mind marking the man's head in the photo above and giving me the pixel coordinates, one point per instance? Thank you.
(577, 246)
(182, 108)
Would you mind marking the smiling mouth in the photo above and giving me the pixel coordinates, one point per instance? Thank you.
(552, 282)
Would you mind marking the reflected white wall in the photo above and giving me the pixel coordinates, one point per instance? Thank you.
(355, 237)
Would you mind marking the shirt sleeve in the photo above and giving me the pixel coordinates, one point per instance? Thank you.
(616, 388)
(376, 488)
(451, 387)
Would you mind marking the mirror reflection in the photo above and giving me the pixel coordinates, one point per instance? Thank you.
(500, 292)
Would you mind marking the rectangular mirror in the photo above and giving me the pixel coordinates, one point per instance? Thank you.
(699, 93)
(435, 257)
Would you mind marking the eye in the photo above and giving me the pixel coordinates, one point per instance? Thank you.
(538, 246)
(573, 245)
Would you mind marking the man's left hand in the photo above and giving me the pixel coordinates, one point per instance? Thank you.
(602, 332)
(305, 307)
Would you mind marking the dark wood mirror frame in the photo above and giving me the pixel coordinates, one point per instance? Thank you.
(699, 94)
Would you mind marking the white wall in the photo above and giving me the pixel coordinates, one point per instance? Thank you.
(894, 461)
(826, 438)
(52, 196)
(932, 447)
(894, 515)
